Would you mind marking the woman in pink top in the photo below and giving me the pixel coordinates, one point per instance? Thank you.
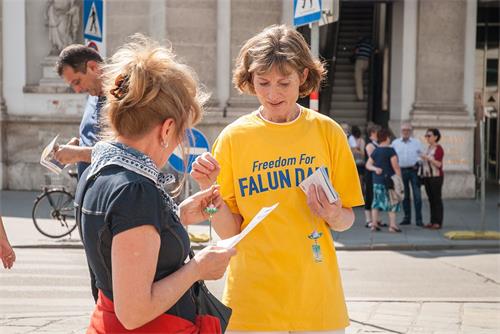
(433, 177)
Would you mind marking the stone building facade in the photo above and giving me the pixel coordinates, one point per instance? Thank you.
(431, 72)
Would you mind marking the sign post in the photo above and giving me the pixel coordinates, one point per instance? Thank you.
(198, 144)
(93, 25)
(309, 12)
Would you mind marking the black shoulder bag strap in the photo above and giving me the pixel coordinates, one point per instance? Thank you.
(81, 189)
(208, 304)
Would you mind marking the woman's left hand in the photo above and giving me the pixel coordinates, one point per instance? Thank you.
(319, 205)
(192, 209)
(7, 254)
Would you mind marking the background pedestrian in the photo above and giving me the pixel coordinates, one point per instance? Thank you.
(433, 176)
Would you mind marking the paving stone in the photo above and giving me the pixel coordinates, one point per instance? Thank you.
(17, 329)
(481, 318)
(34, 322)
(385, 319)
(478, 330)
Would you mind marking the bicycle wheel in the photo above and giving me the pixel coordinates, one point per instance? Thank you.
(54, 213)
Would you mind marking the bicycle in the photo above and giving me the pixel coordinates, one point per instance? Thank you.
(54, 211)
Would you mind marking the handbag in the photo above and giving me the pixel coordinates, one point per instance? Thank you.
(421, 173)
(388, 182)
(208, 304)
(359, 158)
(398, 193)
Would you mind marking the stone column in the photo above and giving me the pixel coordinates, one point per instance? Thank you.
(403, 60)
(3, 158)
(247, 19)
(439, 90)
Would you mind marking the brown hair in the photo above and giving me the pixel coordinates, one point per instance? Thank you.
(372, 127)
(435, 132)
(383, 134)
(280, 46)
(152, 87)
(76, 56)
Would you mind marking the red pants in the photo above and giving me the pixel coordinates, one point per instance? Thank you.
(104, 321)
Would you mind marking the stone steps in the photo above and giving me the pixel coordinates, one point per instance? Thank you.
(356, 21)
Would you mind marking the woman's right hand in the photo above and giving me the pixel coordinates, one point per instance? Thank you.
(211, 262)
(378, 171)
(205, 170)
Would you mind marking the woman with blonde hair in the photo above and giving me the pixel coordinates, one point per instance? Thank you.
(285, 276)
(133, 231)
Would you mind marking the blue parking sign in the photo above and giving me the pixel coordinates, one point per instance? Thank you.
(198, 144)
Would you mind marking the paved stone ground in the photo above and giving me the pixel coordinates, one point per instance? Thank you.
(366, 317)
(424, 317)
(460, 214)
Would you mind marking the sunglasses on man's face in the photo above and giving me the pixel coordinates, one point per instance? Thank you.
(428, 135)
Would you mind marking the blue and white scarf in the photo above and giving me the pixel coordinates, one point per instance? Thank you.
(118, 154)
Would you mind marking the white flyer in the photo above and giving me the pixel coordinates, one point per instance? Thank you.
(320, 179)
(233, 241)
(47, 158)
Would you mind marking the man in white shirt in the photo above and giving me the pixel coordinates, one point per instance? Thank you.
(409, 150)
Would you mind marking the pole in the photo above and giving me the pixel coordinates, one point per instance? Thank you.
(483, 174)
(315, 39)
(314, 97)
(186, 194)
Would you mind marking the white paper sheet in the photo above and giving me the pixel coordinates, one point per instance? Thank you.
(47, 158)
(233, 241)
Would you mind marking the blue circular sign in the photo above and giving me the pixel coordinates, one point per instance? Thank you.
(198, 144)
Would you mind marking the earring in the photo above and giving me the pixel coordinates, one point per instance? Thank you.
(163, 144)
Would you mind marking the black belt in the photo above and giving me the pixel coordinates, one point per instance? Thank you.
(407, 168)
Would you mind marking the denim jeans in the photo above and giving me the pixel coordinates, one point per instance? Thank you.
(410, 177)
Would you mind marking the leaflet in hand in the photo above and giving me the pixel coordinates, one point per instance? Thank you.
(320, 179)
(233, 241)
(47, 159)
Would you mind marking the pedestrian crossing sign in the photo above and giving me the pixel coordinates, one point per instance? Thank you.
(93, 19)
(306, 11)
(197, 145)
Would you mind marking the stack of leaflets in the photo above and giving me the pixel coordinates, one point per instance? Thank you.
(47, 159)
(320, 179)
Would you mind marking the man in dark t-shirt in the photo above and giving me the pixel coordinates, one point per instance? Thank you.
(362, 54)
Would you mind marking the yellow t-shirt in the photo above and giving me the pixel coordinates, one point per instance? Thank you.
(273, 283)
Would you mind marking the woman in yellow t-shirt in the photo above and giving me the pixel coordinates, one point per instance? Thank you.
(285, 276)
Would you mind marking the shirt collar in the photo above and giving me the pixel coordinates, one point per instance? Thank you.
(406, 140)
(114, 153)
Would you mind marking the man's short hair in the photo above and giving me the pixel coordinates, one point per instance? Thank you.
(76, 56)
(406, 125)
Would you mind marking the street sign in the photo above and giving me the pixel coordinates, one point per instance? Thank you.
(198, 144)
(92, 19)
(93, 25)
(306, 11)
